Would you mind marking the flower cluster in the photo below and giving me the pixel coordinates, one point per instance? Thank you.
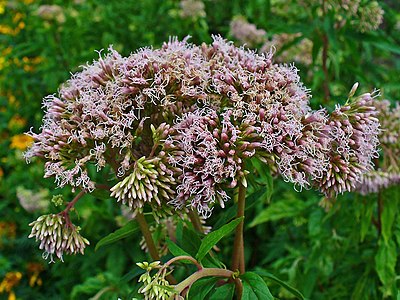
(370, 17)
(363, 16)
(33, 201)
(246, 33)
(387, 172)
(300, 52)
(353, 131)
(57, 237)
(192, 9)
(176, 123)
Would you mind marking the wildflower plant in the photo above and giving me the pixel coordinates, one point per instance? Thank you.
(172, 131)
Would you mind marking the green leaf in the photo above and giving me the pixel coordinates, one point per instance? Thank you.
(230, 213)
(390, 208)
(224, 292)
(254, 287)
(190, 241)
(385, 263)
(367, 209)
(175, 249)
(101, 194)
(201, 288)
(127, 230)
(265, 178)
(279, 210)
(290, 289)
(214, 237)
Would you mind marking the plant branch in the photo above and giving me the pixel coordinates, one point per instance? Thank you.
(206, 272)
(184, 257)
(238, 245)
(70, 205)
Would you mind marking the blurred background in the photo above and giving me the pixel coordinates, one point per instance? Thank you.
(334, 43)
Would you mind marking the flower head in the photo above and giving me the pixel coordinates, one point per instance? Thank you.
(57, 237)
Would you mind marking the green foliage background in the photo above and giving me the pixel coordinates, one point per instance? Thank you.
(348, 252)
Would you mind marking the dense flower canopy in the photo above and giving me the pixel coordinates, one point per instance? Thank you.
(176, 124)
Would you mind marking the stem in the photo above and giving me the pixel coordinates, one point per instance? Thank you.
(380, 209)
(325, 46)
(238, 245)
(194, 218)
(144, 227)
(103, 186)
(183, 257)
(70, 205)
(200, 274)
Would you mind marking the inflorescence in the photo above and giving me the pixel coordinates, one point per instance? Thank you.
(176, 124)
(57, 236)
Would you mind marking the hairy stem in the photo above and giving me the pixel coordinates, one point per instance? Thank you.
(238, 245)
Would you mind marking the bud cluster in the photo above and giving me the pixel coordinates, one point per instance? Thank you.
(148, 182)
(56, 237)
(155, 286)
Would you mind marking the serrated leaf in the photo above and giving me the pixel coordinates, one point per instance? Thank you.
(127, 230)
(255, 288)
(283, 284)
(214, 237)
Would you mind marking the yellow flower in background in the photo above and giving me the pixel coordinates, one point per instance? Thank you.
(16, 122)
(7, 30)
(10, 280)
(2, 6)
(18, 16)
(11, 99)
(21, 141)
(8, 229)
(34, 270)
